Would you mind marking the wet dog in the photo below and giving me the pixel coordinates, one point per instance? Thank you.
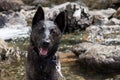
(43, 60)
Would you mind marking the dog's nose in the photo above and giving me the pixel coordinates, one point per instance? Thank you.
(46, 44)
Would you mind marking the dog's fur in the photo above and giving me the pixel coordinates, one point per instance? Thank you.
(44, 40)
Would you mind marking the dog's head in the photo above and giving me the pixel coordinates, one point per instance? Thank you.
(46, 34)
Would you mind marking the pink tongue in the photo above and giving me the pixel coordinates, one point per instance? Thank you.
(43, 51)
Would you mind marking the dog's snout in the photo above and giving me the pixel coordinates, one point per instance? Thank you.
(46, 43)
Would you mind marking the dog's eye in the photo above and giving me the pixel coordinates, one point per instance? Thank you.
(52, 31)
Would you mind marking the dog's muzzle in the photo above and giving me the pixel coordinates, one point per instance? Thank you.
(43, 51)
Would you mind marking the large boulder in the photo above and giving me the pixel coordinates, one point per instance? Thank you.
(10, 5)
(101, 58)
(77, 16)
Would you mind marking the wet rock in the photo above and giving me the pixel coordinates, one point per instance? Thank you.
(10, 5)
(101, 58)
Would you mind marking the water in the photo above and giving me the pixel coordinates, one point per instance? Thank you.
(70, 66)
(14, 32)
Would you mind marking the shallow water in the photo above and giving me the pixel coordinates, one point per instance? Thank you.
(14, 33)
(15, 70)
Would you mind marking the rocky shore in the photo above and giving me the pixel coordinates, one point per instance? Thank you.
(92, 34)
(101, 58)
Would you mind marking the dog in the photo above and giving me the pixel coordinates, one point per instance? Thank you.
(43, 60)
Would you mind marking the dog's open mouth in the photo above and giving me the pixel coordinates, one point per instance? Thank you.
(43, 51)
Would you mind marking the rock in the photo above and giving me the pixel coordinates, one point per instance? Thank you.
(116, 4)
(11, 18)
(3, 44)
(117, 14)
(16, 25)
(40, 1)
(98, 33)
(27, 7)
(28, 1)
(3, 20)
(101, 58)
(37, 2)
(77, 16)
(98, 4)
(3, 49)
(103, 26)
(16, 18)
(114, 21)
(9, 53)
(100, 17)
(10, 5)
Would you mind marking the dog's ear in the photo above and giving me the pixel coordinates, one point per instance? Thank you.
(60, 21)
(39, 15)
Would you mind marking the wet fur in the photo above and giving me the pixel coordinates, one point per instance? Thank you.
(40, 67)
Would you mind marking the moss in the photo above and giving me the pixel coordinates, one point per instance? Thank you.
(22, 43)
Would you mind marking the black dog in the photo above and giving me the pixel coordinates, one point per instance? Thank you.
(42, 60)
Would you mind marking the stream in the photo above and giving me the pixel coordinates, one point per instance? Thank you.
(17, 35)
(70, 66)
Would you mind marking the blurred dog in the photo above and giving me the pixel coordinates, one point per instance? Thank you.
(43, 60)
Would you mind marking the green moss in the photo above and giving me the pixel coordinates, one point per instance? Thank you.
(73, 38)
